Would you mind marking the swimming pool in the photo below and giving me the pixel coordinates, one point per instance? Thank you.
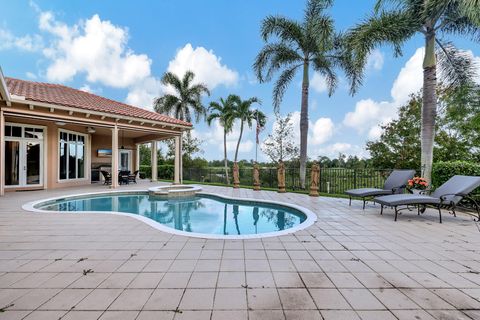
(203, 215)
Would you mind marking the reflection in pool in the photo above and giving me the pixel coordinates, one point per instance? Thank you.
(199, 214)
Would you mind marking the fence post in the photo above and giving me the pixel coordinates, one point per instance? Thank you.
(355, 178)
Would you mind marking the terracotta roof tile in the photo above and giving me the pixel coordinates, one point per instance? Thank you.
(70, 97)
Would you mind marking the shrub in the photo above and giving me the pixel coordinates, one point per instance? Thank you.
(442, 171)
(164, 171)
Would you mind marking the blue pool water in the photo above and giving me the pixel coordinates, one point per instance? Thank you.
(199, 214)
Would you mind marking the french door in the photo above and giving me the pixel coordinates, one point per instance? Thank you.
(23, 159)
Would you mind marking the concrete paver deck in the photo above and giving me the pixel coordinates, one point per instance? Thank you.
(351, 264)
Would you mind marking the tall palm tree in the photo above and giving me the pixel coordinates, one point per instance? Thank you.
(224, 112)
(186, 100)
(298, 45)
(248, 116)
(396, 21)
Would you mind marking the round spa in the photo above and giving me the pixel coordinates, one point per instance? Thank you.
(200, 215)
(174, 191)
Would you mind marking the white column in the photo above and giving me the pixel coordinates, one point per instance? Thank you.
(178, 160)
(137, 157)
(115, 157)
(2, 153)
(154, 161)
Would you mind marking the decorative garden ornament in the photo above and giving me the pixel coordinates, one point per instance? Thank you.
(256, 177)
(315, 180)
(236, 178)
(281, 177)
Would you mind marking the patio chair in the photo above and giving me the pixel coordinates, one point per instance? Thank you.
(447, 196)
(123, 176)
(106, 177)
(133, 177)
(395, 184)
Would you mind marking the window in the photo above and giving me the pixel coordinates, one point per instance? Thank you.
(71, 156)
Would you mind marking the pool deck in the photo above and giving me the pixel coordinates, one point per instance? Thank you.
(351, 264)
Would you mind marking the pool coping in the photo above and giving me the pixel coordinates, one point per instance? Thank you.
(311, 216)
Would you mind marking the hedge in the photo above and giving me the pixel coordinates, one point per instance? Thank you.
(164, 171)
(442, 171)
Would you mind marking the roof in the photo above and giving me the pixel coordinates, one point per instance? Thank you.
(65, 96)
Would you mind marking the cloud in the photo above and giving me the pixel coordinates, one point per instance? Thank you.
(29, 43)
(375, 60)
(319, 132)
(208, 67)
(213, 137)
(86, 88)
(369, 114)
(332, 150)
(94, 47)
(318, 83)
(31, 75)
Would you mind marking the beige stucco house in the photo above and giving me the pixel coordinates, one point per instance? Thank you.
(53, 136)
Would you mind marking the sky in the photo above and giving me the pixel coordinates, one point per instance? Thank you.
(121, 49)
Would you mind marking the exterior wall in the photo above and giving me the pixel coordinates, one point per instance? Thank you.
(105, 142)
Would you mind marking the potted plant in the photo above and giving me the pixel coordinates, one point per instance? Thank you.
(417, 185)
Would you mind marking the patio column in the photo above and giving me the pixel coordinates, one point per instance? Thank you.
(115, 157)
(137, 157)
(154, 161)
(178, 160)
(2, 153)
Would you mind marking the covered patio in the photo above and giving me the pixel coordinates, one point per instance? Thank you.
(52, 136)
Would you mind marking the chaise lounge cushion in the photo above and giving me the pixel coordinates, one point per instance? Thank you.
(367, 192)
(406, 199)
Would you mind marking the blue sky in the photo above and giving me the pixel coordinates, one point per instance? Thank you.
(121, 49)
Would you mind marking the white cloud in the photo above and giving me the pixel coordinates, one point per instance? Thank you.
(318, 83)
(375, 60)
(369, 115)
(213, 137)
(144, 92)
(332, 150)
(94, 47)
(208, 67)
(30, 43)
(322, 131)
(86, 88)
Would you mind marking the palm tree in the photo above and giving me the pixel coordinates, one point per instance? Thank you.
(300, 45)
(186, 100)
(247, 115)
(402, 20)
(224, 111)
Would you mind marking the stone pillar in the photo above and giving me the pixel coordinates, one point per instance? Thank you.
(137, 157)
(114, 171)
(256, 177)
(314, 180)
(281, 177)
(236, 176)
(154, 162)
(2, 153)
(178, 160)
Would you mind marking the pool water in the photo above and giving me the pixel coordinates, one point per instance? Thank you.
(199, 214)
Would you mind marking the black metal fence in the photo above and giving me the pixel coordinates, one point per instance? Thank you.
(332, 180)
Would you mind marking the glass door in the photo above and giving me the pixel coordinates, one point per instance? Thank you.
(12, 163)
(124, 160)
(23, 156)
(33, 157)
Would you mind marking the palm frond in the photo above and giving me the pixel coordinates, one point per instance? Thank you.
(315, 7)
(471, 10)
(271, 58)
(169, 78)
(281, 86)
(285, 29)
(457, 67)
(165, 104)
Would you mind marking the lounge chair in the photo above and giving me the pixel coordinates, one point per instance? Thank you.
(448, 195)
(395, 183)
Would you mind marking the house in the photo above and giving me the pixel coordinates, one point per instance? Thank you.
(53, 136)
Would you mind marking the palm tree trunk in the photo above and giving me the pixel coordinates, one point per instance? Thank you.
(239, 139)
(429, 107)
(304, 126)
(225, 156)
